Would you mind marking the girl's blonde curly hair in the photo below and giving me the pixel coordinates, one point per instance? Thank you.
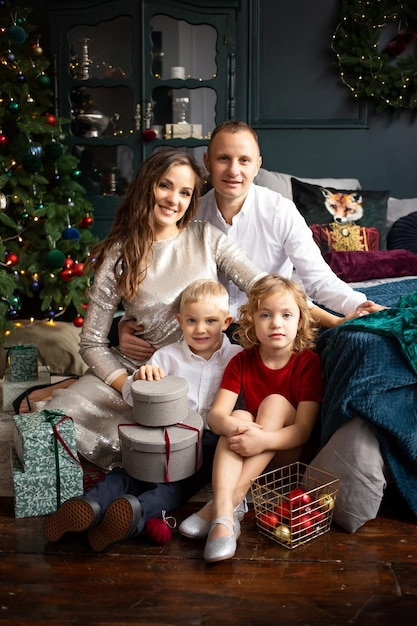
(267, 286)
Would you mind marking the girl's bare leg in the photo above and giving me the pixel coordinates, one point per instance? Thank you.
(274, 412)
(206, 512)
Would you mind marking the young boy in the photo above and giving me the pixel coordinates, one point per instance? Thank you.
(118, 506)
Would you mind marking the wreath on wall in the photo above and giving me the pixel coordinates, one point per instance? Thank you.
(370, 66)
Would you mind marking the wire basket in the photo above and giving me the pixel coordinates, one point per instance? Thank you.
(295, 503)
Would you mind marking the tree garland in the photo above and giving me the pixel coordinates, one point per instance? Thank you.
(387, 75)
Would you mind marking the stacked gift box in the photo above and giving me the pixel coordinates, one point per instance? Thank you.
(45, 465)
(23, 371)
(6, 442)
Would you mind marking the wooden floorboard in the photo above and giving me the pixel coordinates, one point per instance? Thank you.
(366, 578)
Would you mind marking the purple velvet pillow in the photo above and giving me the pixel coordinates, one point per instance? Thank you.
(354, 266)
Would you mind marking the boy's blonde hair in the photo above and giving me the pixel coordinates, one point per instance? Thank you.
(263, 288)
(204, 290)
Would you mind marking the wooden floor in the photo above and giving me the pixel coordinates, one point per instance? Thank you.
(368, 578)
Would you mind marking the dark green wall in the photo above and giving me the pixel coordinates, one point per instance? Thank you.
(288, 89)
(308, 123)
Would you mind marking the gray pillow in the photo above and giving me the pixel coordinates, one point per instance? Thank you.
(353, 454)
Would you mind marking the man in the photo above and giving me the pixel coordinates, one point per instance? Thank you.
(264, 224)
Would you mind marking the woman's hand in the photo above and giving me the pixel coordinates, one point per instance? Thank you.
(131, 344)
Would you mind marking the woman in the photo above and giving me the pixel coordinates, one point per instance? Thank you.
(152, 252)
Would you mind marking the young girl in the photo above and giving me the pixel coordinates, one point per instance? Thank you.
(280, 377)
(152, 252)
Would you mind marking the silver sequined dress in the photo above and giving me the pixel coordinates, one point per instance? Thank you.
(96, 408)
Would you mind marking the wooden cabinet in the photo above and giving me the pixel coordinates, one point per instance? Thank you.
(134, 76)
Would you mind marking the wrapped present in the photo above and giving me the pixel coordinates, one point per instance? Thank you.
(160, 402)
(11, 390)
(40, 492)
(22, 361)
(6, 442)
(162, 454)
(44, 440)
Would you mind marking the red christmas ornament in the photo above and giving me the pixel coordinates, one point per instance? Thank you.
(78, 269)
(51, 119)
(78, 321)
(396, 47)
(302, 522)
(407, 35)
(86, 222)
(3, 140)
(66, 275)
(148, 135)
(283, 511)
(269, 520)
(69, 263)
(158, 530)
(85, 306)
(11, 258)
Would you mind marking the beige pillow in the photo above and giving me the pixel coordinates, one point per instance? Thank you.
(57, 342)
(353, 454)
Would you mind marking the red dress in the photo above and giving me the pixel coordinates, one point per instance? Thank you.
(301, 379)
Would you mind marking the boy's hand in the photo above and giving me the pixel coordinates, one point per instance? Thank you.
(149, 372)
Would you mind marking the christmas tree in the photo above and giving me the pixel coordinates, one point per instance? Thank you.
(45, 219)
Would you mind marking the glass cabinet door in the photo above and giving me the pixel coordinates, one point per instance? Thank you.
(134, 76)
(102, 103)
(187, 75)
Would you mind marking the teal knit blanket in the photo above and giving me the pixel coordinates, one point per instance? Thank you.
(370, 366)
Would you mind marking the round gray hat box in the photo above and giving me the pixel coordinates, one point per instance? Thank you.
(160, 402)
(162, 454)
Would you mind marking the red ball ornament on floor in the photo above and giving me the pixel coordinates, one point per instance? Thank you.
(78, 321)
(158, 531)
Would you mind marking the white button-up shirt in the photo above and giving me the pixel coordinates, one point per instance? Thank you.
(275, 236)
(203, 376)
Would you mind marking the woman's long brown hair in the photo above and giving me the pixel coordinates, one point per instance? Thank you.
(133, 224)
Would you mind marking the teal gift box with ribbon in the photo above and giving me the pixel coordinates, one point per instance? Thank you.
(41, 439)
(45, 464)
(22, 362)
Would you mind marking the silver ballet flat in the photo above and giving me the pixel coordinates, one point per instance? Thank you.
(194, 527)
(224, 547)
